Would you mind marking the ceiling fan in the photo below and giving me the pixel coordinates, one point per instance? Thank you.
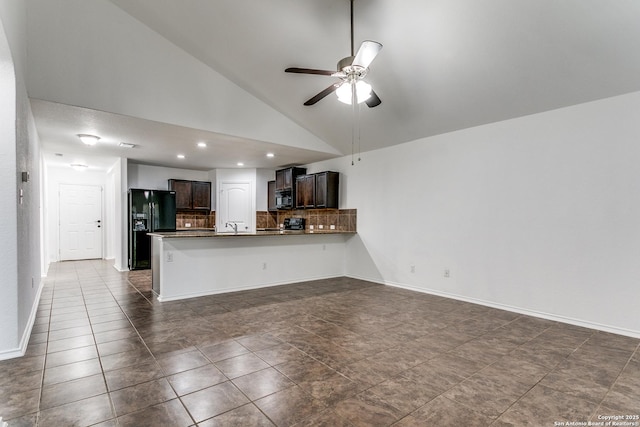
(351, 71)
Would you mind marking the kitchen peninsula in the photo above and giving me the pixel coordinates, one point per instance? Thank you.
(188, 264)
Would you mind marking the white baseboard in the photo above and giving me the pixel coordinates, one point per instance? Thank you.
(26, 334)
(241, 288)
(120, 269)
(520, 310)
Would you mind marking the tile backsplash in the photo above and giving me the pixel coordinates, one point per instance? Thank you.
(196, 219)
(342, 219)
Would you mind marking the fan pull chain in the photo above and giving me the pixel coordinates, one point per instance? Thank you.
(354, 103)
(355, 127)
(359, 130)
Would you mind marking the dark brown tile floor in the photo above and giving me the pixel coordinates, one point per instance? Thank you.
(339, 352)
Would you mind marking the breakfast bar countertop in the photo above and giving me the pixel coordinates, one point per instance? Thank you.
(259, 232)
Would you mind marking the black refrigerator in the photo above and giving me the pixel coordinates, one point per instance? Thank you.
(149, 211)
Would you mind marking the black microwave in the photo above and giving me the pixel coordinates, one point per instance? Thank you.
(294, 223)
(284, 199)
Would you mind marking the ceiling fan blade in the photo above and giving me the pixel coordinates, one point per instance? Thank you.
(309, 71)
(324, 93)
(367, 53)
(373, 100)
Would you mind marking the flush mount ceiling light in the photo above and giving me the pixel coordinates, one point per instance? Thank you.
(270, 155)
(126, 145)
(79, 167)
(202, 144)
(88, 139)
(240, 164)
(180, 156)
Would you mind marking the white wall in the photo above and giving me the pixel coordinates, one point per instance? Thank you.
(118, 232)
(156, 177)
(8, 214)
(205, 266)
(539, 214)
(20, 263)
(263, 176)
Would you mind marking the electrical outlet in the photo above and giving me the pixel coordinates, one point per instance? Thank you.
(413, 268)
(320, 226)
(332, 227)
(447, 273)
(187, 224)
(169, 256)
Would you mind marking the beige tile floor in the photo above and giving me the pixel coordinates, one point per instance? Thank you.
(338, 352)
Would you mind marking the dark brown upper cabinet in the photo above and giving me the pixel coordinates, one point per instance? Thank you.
(191, 195)
(305, 191)
(286, 178)
(318, 190)
(327, 185)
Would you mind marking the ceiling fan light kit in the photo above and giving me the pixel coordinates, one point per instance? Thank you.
(363, 92)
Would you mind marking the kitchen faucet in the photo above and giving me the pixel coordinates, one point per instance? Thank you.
(233, 225)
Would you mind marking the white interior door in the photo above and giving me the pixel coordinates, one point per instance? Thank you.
(235, 206)
(80, 222)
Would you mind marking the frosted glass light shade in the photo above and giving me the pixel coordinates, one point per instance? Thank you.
(89, 139)
(363, 92)
(79, 167)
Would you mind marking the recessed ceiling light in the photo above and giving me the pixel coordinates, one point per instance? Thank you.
(202, 144)
(126, 145)
(240, 164)
(88, 139)
(181, 156)
(79, 166)
(270, 155)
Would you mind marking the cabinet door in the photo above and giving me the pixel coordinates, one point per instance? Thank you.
(271, 196)
(327, 184)
(305, 191)
(201, 195)
(279, 180)
(183, 193)
(288, 178)
(321, 190)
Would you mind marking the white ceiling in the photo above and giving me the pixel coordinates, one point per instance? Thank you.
(446, 65)
(155, 143)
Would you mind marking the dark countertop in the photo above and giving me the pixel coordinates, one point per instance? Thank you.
(269, 232)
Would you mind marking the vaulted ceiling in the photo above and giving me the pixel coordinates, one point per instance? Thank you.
(445, 65)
